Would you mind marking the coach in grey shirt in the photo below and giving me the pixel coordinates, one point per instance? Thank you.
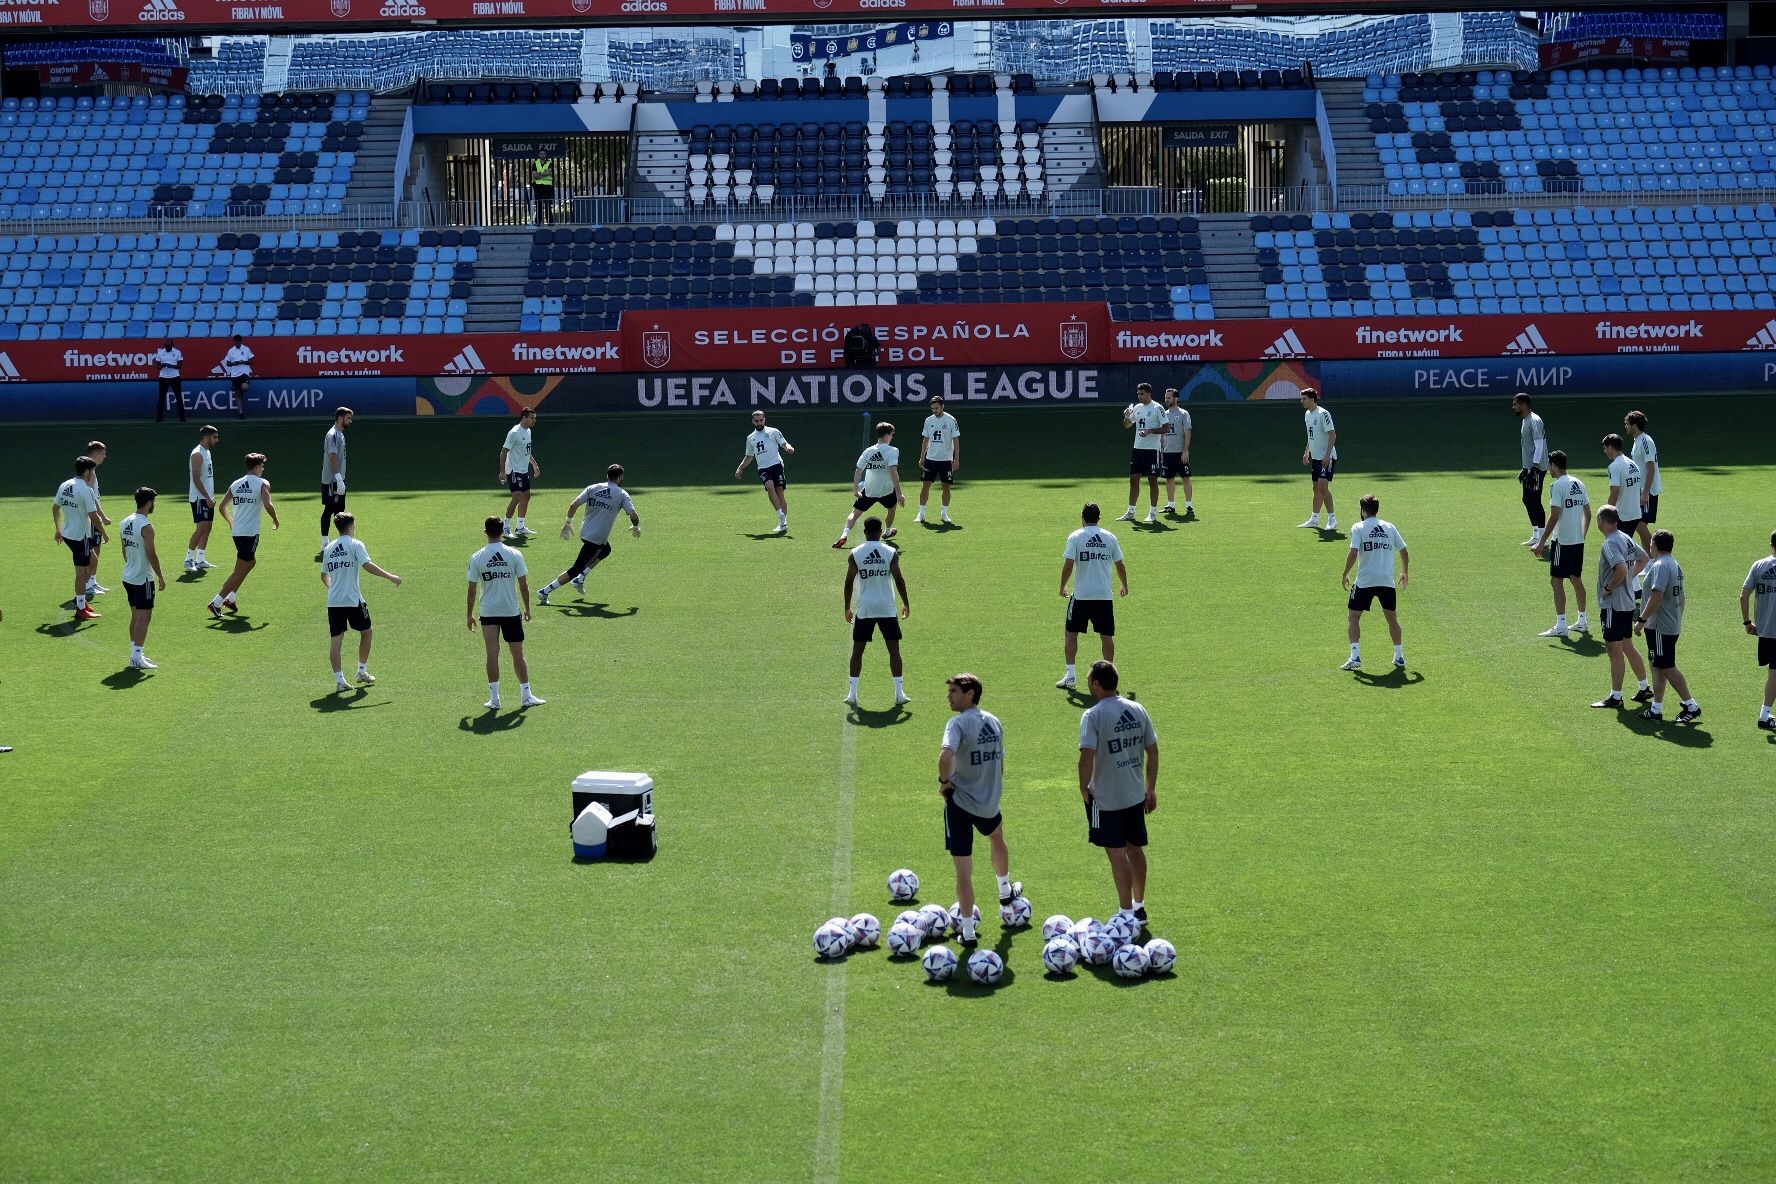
(971, 777)
(1118, 773)
(1619, 561)
(1662, 620)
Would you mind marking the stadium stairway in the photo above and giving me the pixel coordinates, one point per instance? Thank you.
(1359, 163)
(499, 281)
(1235, 286)
(373, 179)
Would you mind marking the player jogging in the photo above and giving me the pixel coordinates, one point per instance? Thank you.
(1118, 778)
(1374, 543)
(518, 465)
(344, 558)
(876, 478)
(498, 572)
(1626, 481)
(201, 491)
(1089, 553)
(971, 778)
(766, 448)
(141, 575)
(1620, 562)
(1646, 454)
(1569, 520)
(1533, 444)
(1148, 420)
(1174, 453)
(247, 499)
(1661, 618)
(873, 564)
(940, 456)
(333, 473)
(75, 513)
(603, 503)
(1762, 581)
(1321, 457)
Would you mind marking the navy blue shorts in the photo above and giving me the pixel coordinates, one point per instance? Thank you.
(1361, 598)
(202, 511)
(1650, 512)
(773, 476)
(1174, 465)
(864, 628)
(1661, 650)
(518, 482)
(1100, 615)
(330, 500)
(81, 549)
(339, 618)
(1144, 462)
(246, 547)
(1567, 561)
(1323, 469)
(1618, 624)
(939, 470)
(960, 825)
(511, 628)
(1116, 828)
(140, 595)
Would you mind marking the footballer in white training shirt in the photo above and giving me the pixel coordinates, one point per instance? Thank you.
(75, 512)
(876, 481)
(1321, 458)
(603, 503)
(869, 569)
(237, 367)
(243, 505)
(341, 562)
(1652, 482)
(1148, 420)
(766, 448)
(201, 493)
(142, 576)
(497, 572)
(1569, 521)
(1374, 544)
(1090, 553)
(1626, 482)
(940, 456)
(518, 465)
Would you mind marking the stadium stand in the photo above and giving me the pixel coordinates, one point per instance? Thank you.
(384, 63)
(136, 51)
(1675, 24)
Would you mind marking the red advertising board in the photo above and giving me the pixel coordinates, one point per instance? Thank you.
(99, 73)
(1556, 54)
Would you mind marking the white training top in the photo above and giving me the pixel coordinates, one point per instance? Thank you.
(136, 569)
(518, 449)
(1645, 453)
(1319, 434)
(1093, 550)
(877, 464)
(247, 498)
(169, 361)
(332, 445)
(1377, 541)
(941, 433)
(763, 446)
(344, 558)
(77, 501)
(1568, 492)
(208, 468)
(875, 583)
(1150, 416)
(238, 361)
(496, 567)
(1625, 475)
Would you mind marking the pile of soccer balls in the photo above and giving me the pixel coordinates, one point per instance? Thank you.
(1069, 942)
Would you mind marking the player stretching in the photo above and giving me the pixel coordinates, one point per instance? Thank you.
(603, 502)
(201, 492)
(248, 498)
(1646, 455)
(1662, 620)
(499, 573)
(518, 465)
(1533, 444)
(940, 456)
(1762, 580)
(1174, 453)
(1090, 550)
(1569, 519)
(340, 564)
(971, 778)
(96, 449)
(875, 563)
(766, 448)
(1148, 420)
(333, 473)
(1374, 543)
(1321, 456)
(1119, 779)
(75, 513)
(1620, 562)
(141, 575)
(876, 478)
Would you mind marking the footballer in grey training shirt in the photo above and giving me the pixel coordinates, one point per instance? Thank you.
(1761, 580)
(970, 774)
(1619, 561)
(1662, 620)
(603, 503)
(1118, 778)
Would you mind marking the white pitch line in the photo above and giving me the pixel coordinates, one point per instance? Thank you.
(832, 1054)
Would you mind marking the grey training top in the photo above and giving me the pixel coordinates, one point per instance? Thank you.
(1665, 575)
(1761, 581)
(1120, 731)
(1617, 548)
(978, 740)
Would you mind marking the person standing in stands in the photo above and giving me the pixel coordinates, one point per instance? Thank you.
(169, 363)
(237, 367)
(542, 188)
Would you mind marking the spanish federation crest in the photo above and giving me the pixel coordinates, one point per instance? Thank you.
(340, 8)
(1075, 338)
(656, 347)
(99, 10)
(582, 6)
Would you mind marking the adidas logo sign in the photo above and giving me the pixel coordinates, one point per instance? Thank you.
(1530, 341)
(466, 362)
(161, 10)
(9, 372)
(1765, 338)
(1286, 346)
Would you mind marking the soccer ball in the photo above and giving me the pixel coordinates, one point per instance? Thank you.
(904, 940)
(935, 920)
(956, 915)
(910, 917)
(831, 940)
(1056, 926)
(1097, 948)
(869, 930)
(985, 967)
(1082, 929)
(940, 963)
(851, 934)
(1017, 914)
(1122, 928)
(1060, 955)
(1162, 955)
(903, 885)
(1129, 961)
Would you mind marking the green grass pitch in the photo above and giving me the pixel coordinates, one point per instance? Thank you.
(1455, 926)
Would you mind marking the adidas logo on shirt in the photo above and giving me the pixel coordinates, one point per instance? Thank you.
(1765, 338)
(161, 10)
(1129, 722)
(1286, 346)
(9, 372)
(1530, 341)
(466, 362)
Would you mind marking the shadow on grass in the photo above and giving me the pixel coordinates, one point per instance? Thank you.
(352, 700)
(1668, 730)
(1160, 527)
(60, 628)
(491, 722)
(961, 985)
(1584, 645)
(1331, 536)
(1080, 697)
(190, 577)
(240, 624)
(124, 679)
(1393, 680)
(597, 609)
(866, 718)
(1275, 480)
(759, 538)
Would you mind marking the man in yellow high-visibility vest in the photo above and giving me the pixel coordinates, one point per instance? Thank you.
(542, 188)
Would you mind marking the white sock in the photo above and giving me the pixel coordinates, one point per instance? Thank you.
(854, 682)
(945, 512)
(200, 555)
(1004, 884)
(1131, 509)
(1188, 504)
(1690, 703)
(339, 677)
(921, 512)
(363, 668)
(323, 542)
(521, 525)
(508, 526)
(1356, 649)
(1656, 705)
(190, 554)
(1399, 651)
(1071, 672)
(216, 600)
(844, 532)
(1644, 684)
(1139, 904)
(493, 690)
(1559, 620)
(1581, 618)
(135, 651)
(1764, 714)
(524, 689)
(968, 927)
(899, 685)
